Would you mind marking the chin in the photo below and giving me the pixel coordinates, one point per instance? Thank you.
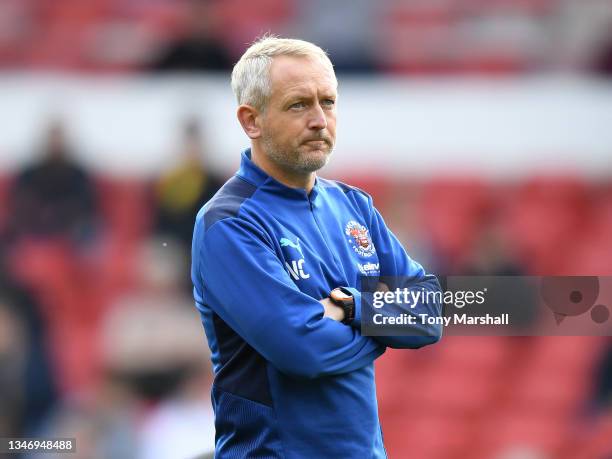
(314, 160)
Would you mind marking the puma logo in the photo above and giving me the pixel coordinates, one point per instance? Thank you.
(284, 242)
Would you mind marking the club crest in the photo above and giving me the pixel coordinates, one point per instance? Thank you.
(360, 239)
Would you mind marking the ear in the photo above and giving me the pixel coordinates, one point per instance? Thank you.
(248, 116)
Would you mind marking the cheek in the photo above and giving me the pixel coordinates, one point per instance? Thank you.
(292, 131)
(331, 125)
(288, 127)
(287, 136)
(277, 131)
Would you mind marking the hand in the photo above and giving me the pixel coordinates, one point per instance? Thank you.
(331, 310)
(382, 287)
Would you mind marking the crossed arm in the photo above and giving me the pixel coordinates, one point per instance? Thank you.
(335, 312)
(248, 288)
(416, 336)
(396, 265)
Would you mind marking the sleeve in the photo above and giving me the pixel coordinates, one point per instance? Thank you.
(245, 283)
(403, 272)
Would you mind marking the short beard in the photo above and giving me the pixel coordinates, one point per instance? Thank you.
(293, 161)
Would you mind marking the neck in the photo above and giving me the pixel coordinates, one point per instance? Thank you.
(289, 178)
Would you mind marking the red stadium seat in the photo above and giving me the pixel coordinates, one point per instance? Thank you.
(452, 210)
(564, 354)
(515, 429)
(455, 391)
(475, 352)
(547, 213)
(243, 21)
(591, 253)
(126, 206)
(541, 390)
(427, 436)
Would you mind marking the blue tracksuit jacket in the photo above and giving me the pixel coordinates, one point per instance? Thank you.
(290, 383)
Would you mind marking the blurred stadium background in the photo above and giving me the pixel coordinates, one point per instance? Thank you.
(483, 129)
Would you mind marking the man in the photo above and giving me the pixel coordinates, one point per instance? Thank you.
(180, 192)
(54, 197)
(294, 376)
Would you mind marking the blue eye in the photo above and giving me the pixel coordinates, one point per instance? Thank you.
(328, 102)
(297, 105)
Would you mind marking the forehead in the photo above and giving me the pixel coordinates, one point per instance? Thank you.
(295, 73)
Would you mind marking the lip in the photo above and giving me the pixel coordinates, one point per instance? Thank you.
(316, 142)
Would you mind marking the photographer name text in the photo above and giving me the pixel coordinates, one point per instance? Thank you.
(455, 319)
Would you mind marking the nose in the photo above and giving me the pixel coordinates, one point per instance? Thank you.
(317, 120)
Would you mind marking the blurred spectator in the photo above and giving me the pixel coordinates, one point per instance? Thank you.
(155, 372)
(490, 255)
(401, 215)
(54, 197)
(150, 336)
(198, 49)
(603, 381)
(27, 387)
(491, 260)
(183, 425)
(603, 61)
(12, 364)
(153, 345)
(182, 191)
(103, 424)
(350, 46)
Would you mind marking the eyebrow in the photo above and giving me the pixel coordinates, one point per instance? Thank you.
(304, 95)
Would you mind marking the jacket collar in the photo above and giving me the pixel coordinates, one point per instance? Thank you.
(253, 174)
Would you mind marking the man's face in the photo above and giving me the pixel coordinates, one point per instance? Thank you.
(298, 126)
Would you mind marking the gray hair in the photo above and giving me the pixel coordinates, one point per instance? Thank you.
(251, 74)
